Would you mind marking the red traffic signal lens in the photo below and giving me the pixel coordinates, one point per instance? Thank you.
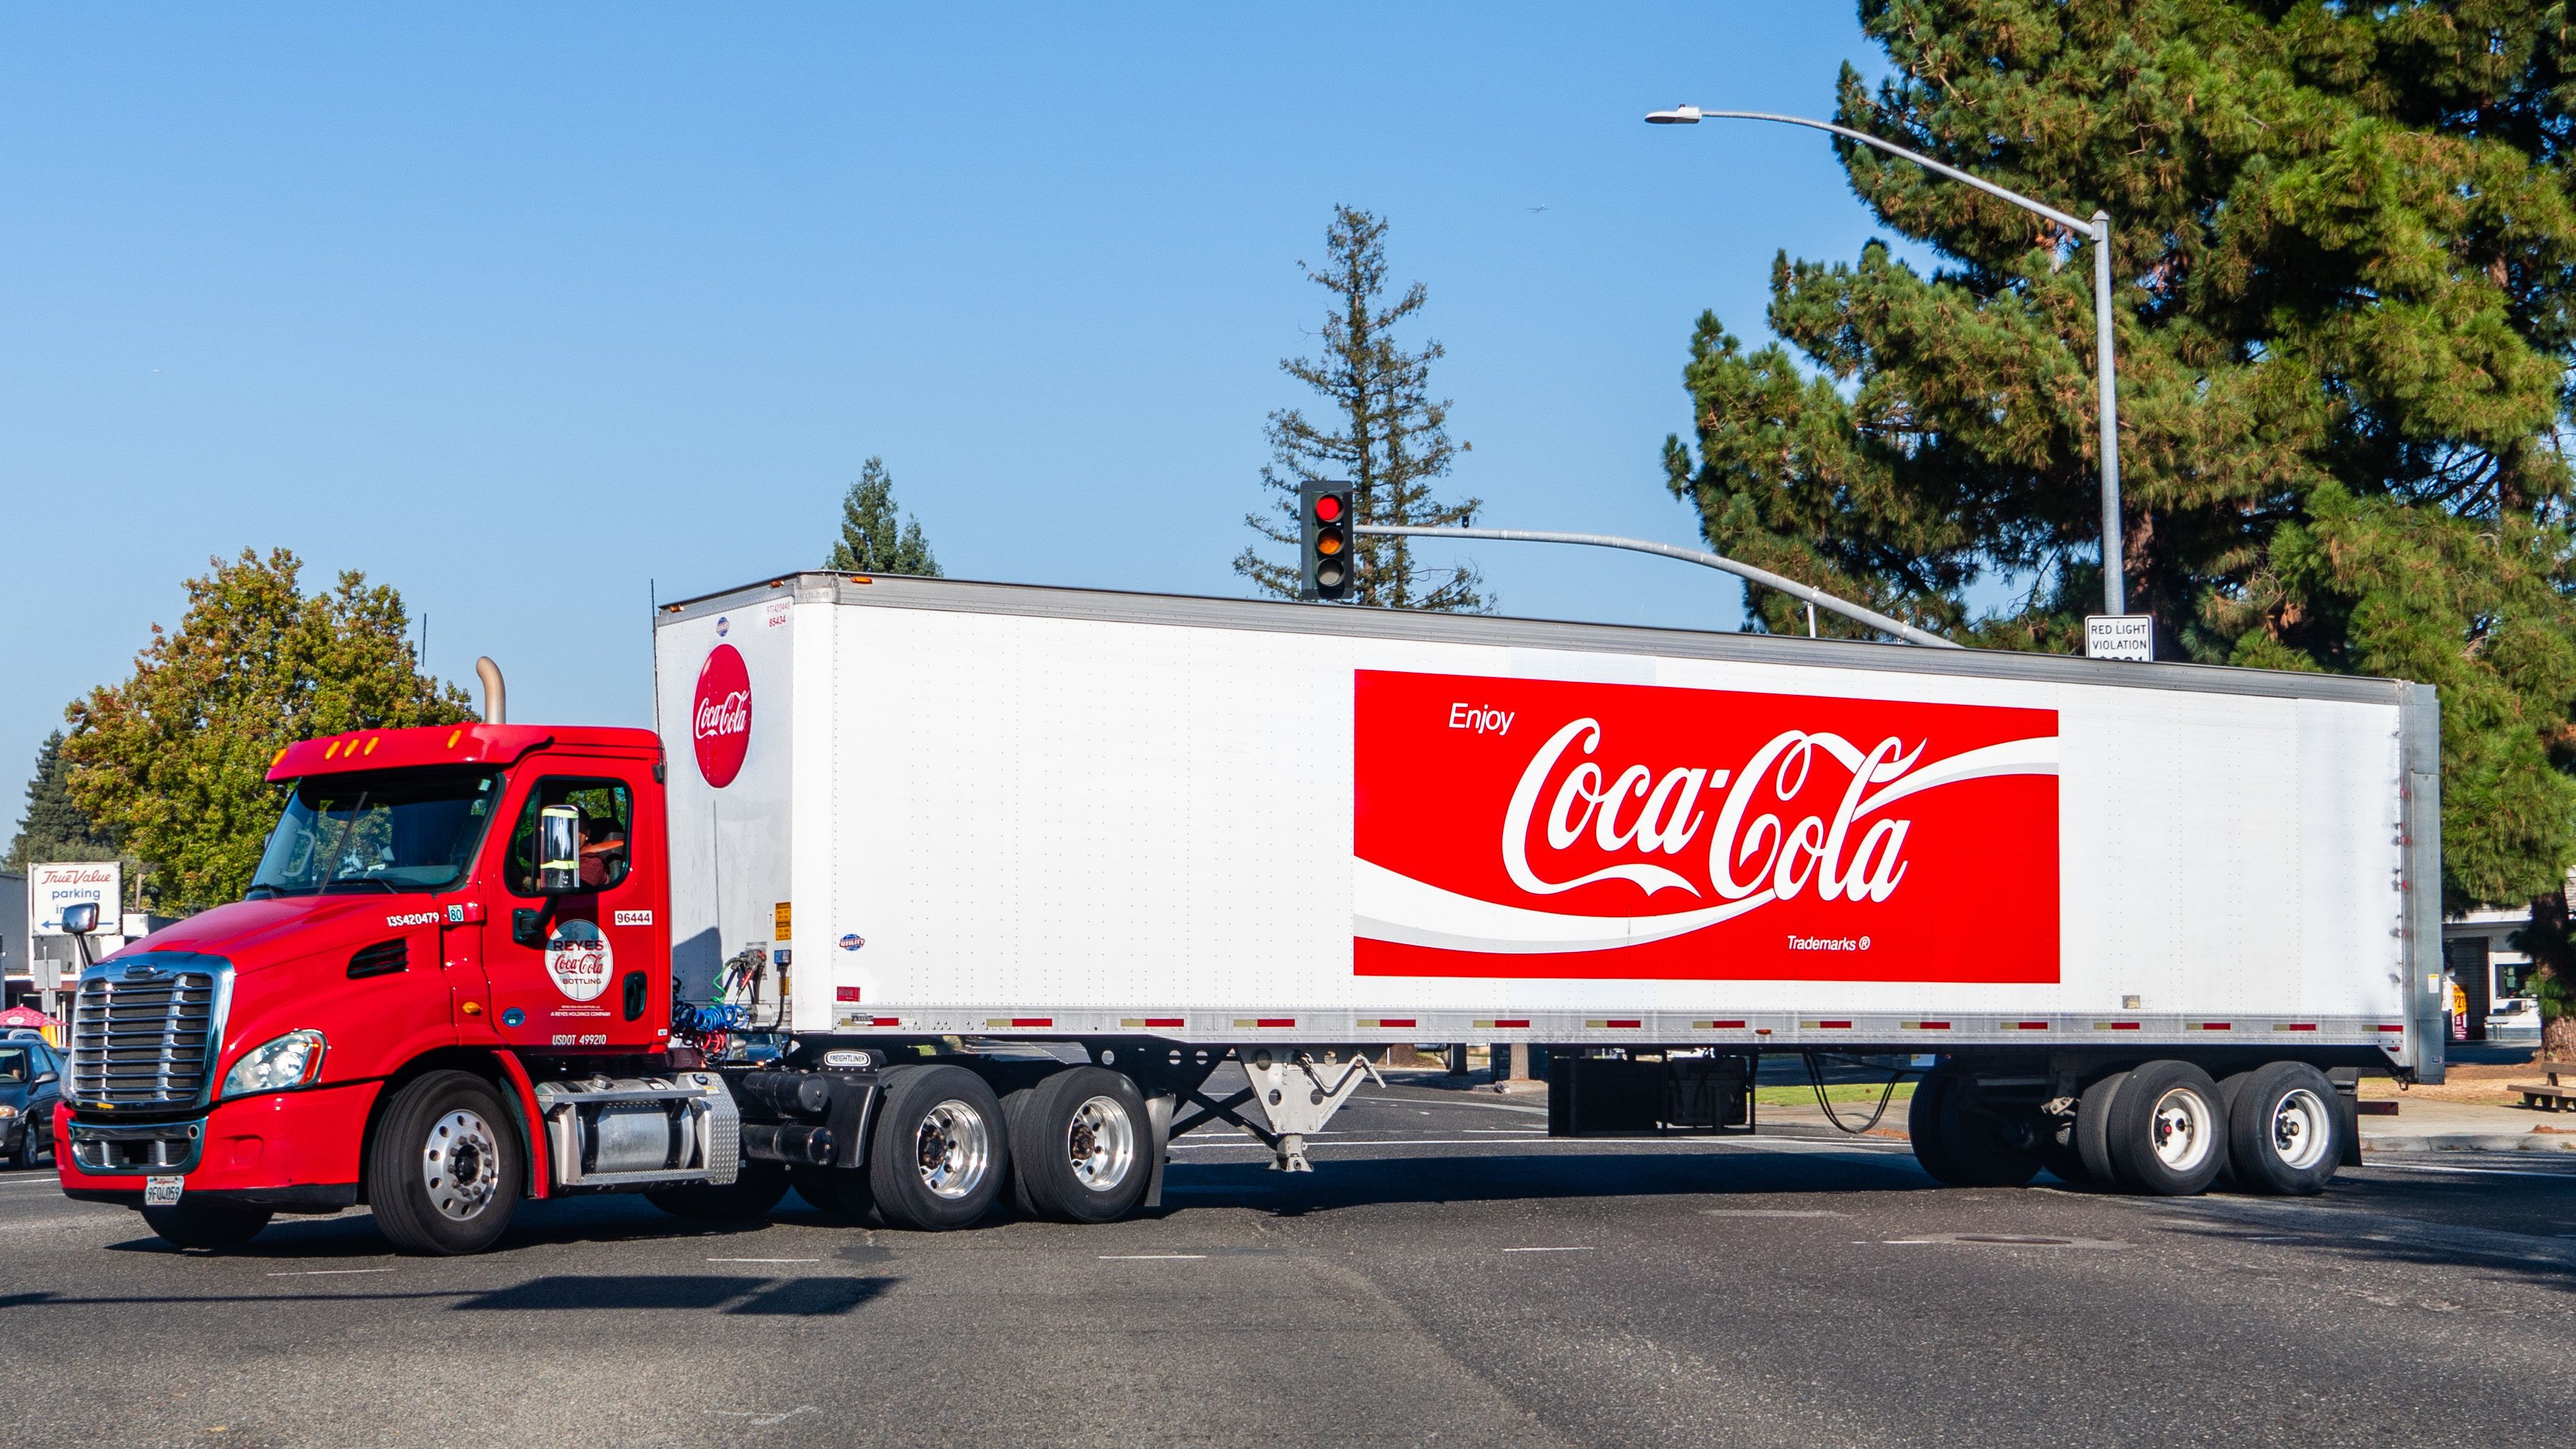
(1328, 508)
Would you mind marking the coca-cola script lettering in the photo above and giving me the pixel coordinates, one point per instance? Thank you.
(1626, 831)
(720, 723)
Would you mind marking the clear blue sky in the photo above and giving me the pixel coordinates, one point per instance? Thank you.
(472, 298)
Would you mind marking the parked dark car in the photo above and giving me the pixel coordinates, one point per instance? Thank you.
(31, 1079)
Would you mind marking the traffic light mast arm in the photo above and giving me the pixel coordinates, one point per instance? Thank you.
(1767, 579)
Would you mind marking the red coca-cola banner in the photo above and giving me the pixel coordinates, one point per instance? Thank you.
(1543, 829)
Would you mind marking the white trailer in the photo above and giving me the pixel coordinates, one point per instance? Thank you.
(2147, 914)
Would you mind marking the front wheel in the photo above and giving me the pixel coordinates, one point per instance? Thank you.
(207, 1222)
(444, 1171)
(940, 1153)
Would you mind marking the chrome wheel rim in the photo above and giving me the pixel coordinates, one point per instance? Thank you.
(2300, 1134)
(461, 1166)
(953, 1149)
(2182, 1127)
(1100, 1142)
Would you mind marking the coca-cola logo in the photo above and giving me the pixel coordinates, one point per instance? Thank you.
(1509, 827)
(720, 720)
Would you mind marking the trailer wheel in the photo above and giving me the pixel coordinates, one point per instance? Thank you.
(207, 1223)
(2166, 1134)
(2092, 1134)
(444, 1170)
(1923, 1124)
(2284, 1134)
(754, 1191)
(2059, 1155)
(1081, 1148)
(942, 1152)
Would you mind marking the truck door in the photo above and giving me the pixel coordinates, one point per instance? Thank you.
(573, 970)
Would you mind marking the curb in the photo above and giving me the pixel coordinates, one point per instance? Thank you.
(2471, 1142)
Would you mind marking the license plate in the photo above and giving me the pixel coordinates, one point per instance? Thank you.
(162, 1191)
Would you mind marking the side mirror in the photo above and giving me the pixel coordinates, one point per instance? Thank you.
(81, 919)
(44, 1077)
(558, 850)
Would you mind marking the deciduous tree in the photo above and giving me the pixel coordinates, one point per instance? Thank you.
(175, 758)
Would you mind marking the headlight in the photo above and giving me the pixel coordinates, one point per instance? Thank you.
(290, 1061)
(7, 1111)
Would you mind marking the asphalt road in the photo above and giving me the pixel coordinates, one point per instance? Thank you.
(1446, 1275)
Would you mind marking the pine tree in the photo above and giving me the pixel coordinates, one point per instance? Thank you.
(871, 542)
(2345, 256)
(175, 759)
(54, 827)
(1391, 443)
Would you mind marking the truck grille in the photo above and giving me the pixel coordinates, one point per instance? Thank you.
(144, 1037)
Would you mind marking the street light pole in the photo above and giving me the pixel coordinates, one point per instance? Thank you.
(2114, 587)
(1813, 598)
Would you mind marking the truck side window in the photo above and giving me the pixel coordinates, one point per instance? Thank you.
(607, 810)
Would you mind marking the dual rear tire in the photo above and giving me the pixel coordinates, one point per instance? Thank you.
(2162, 1129)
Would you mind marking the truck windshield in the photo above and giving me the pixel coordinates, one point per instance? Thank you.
(395, 830)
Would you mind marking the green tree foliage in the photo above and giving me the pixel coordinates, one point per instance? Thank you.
(1390, 439)
(875, 538)
(175, 758)
(2344, 252)
(54, 827)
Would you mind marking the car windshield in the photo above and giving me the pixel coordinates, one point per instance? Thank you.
(405, 830)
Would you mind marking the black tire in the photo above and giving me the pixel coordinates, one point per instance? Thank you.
(24, 1156)
(2092, 1141)
(940, 1154)
(836, 1192)
(449, 1129)
(2284, 1130)
(1081, 1147)
(2167, 1134)
(2058, 1155)
(1986, 1150)
(207, 1222)
(752, 1193)
(1014, 1104)
(1923, 1124)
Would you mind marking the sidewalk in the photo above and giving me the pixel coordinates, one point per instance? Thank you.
(2426, 1125)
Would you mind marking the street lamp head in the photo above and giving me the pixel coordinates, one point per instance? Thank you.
(1677, 116)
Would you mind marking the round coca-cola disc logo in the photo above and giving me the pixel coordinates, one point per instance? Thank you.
(720, 725)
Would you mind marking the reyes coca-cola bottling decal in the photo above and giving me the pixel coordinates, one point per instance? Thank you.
(1541, 828)
(720, 721)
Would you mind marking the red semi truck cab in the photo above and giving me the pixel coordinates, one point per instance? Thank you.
(479, 907)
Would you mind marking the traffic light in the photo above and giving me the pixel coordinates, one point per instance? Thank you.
(1324, 516)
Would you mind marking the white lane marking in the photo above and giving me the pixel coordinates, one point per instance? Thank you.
(327, 1272)
(2479, 1171)
(1777, 1144)
(1547, 1250)
(1152, 1257)
(1771, 1213)
(1540, 1130)
(764, 1260)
